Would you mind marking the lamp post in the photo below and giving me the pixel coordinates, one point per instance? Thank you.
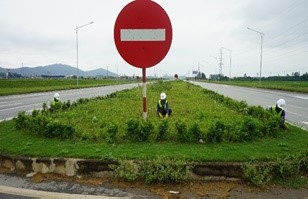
(261, 34)
(77, 28)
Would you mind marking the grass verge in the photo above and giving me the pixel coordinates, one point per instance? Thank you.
(14, 142)
(21, 86)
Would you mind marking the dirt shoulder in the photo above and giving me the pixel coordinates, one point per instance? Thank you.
(109, 186)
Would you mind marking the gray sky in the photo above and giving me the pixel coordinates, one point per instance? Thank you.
(41, 32)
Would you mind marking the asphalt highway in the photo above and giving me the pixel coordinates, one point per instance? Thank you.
(10, 106)
(296, 103)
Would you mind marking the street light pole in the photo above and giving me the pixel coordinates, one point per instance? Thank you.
(261, 34)
(77, 28)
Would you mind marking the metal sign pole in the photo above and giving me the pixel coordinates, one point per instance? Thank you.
(144, 93)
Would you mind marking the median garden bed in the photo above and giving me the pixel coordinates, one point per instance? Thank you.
(204, 127)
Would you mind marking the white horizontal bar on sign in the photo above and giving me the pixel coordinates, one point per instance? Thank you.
(143, 34)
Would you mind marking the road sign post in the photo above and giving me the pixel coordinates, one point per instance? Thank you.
(144, 93)
(143, 36)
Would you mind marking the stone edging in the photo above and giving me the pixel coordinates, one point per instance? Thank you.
(77, 167)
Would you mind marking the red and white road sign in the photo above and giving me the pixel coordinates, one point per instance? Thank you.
(143, 33)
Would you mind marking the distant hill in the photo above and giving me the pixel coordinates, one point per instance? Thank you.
(100, 72)
(57, 70)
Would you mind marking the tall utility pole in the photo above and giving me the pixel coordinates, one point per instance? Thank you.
(199, 75)
(230, 60)
(220, 63)
(261, 34)
(77, 28)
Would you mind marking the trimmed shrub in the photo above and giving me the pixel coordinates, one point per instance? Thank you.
(162, 131)
(257, 174)
(112, 131)
(127, 170)
(181, 131)
(163, 170)
(195, 132)
(57, 130)
(139, 130)
(216, 131)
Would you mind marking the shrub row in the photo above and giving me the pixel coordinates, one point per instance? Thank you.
(239, 106)
(139, 130)
(259, 174)
(165, 170)
(41, 125)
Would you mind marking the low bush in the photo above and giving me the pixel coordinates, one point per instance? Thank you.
(181, 130)
(38, 123)
(139, 130)
(159, 170)
(163, 128)
(56, 129)
(163, 170)
(258, 174)
(217, 131)
(286, 167)
(112, 130)
(127, 170)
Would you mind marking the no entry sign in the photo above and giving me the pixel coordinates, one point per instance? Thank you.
(143, 33)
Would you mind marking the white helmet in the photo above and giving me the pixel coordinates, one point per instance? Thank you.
(57, 96)
(163, 96)
(281, 103)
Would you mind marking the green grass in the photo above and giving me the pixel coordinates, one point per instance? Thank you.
(20, 86)
(293, 86)
(23, 144)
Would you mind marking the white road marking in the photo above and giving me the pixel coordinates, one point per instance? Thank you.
(143, 34)
(20, 107)
(302, 97)
(6, 119)
(10, 105)
(305, 123)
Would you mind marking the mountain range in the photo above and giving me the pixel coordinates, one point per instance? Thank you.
(56, 70)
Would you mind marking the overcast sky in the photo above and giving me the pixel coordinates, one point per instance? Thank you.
(41, 32)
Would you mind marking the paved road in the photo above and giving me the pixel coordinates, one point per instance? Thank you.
(296, 103)
(18, 186)
(11, 105)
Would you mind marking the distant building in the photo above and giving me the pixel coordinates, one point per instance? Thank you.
(53, 76)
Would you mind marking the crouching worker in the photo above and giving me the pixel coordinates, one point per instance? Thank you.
(163, 110)
(55, 104)
(278, 108)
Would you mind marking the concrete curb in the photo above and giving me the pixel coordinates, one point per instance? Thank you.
(79, 167)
